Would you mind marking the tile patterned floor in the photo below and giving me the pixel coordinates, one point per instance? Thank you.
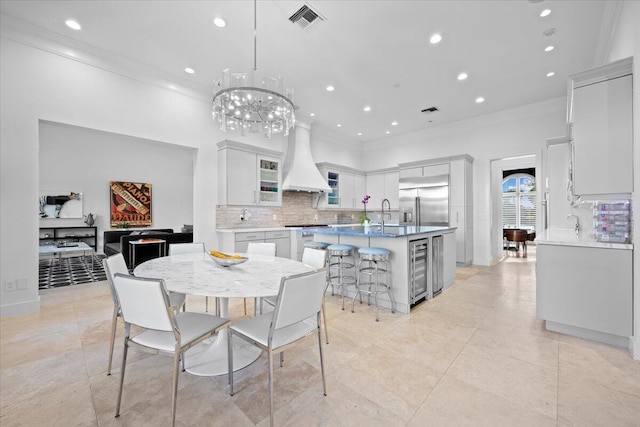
(475, 355)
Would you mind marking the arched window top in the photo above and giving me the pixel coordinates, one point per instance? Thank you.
(519, 183)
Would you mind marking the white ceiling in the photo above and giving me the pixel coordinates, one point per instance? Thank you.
(375, 53)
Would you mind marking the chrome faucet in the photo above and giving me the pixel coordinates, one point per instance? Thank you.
(577, 228)
(389, 208)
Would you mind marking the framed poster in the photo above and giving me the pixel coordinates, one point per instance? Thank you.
(130, 204)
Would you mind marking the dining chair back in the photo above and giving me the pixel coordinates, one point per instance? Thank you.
(145, 304)
(112, 265)
(186, 248)
(296, 315)
(257, 248)
(316, 258)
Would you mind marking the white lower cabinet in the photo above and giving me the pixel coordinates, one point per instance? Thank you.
(585, 287)
(239, 241)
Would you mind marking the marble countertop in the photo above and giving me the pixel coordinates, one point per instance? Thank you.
(198, 274)
(379, 231)
(570, 238)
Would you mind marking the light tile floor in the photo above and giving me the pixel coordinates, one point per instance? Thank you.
(475, 355)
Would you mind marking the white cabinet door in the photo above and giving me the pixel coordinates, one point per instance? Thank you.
(449, 273)
(436, 170)
(410, 172)
(457, 183)
(359, 191)
(457, 219)
(590, 288)
(391, 180)
(376, 189)
(346, 191)
(241, 178)
(602, 135)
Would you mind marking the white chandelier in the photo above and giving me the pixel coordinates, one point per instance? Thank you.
(245, 101)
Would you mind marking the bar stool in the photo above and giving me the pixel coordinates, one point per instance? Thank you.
(341, 267)
(373, 266)
(316, 245)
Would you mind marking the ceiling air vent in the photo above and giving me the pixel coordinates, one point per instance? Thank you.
(430, 110)
(306, 17)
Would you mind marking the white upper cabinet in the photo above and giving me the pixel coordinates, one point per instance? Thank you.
(601, 126)
(391, 182)
(248, 175)
(376, 188)
(348, 187)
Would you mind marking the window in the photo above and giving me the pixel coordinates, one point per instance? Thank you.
(519, 201)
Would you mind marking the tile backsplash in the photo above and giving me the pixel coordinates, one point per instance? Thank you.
(297, 208)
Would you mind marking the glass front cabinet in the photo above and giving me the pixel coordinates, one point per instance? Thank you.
(269, 182)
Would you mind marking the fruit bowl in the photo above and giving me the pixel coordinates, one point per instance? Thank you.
(227, 260)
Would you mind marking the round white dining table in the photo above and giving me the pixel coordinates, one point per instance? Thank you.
(198, 274)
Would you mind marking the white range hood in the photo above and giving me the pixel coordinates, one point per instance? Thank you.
(303, 174)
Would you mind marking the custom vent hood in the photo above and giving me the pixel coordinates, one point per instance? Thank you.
(302, 173)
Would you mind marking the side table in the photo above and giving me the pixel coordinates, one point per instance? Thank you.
(133, 245)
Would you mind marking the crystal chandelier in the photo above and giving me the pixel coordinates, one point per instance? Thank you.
(246, 101)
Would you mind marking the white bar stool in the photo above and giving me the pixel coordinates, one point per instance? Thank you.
(373, 273)
(341, 267)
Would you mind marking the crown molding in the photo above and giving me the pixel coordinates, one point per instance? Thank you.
(57, 44)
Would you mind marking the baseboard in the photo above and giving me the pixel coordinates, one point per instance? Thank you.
(615, 340)
(24, 307)
(634, 347)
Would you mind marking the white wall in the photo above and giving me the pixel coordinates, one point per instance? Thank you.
(37, 85)
(85, 160)
(516, 132)
(626, 43)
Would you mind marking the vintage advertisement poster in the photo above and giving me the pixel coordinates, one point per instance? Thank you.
(130, 204)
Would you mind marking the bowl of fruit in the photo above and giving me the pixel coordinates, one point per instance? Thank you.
(225, 260)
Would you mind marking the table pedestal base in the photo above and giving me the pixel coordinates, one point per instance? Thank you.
(210, 358)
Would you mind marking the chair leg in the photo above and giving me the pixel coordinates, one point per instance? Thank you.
(114, 324)
(174, 398)
(230, 357)
(270, 387)
(324, 383)
(324, 320)
(124, 362)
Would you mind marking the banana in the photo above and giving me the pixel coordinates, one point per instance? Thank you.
(224, 256)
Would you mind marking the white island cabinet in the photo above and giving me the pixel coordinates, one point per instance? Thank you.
(584, 288)
(398, 240)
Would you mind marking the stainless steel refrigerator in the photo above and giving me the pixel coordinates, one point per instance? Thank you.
(424, 201)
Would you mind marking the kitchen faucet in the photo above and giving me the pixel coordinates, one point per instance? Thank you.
(382, 216)
(577, 228)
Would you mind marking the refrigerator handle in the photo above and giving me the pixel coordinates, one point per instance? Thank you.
(416, 222)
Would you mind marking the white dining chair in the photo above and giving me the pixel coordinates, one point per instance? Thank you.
(116, 264)
(192, 248)
(145, 304)
(258, 248)
(295, 316)
(316, 258)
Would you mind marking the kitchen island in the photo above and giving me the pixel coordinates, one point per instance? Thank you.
(415, 265)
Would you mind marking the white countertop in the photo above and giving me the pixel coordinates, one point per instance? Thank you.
(570, 238)
(254, 229)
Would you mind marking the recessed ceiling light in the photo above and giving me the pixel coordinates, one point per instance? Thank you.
(367, 108)
(462, 76)
(219, 22)
(339, 125)
(549, 32)
(548, 48)
(479, 100)
(551, 74)
(435, 39)
(545, 12)
(189, 70)
(330, 88)
(388, 132)
(73, 24)
(359, 133)
(394, 123)
(312, 114)
(172, 87)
